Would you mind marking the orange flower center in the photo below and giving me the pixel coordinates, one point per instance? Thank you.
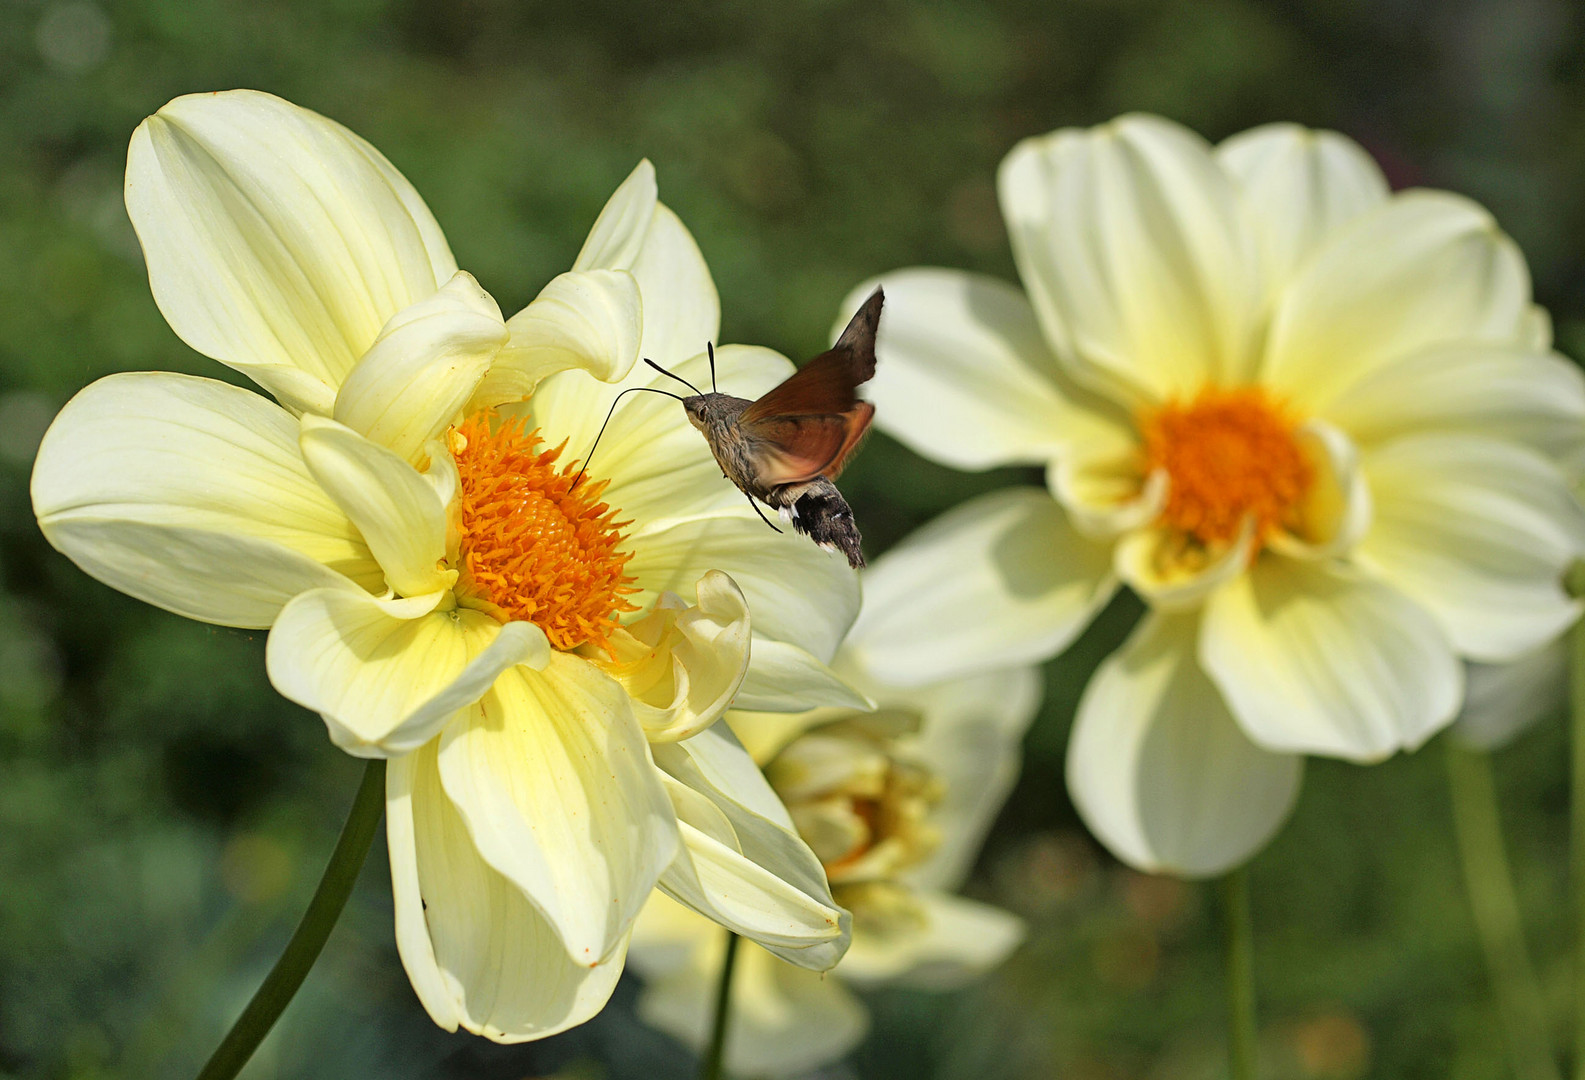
(531, 546)
(1228, 455)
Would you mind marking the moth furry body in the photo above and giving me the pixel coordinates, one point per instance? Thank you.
(787, 447)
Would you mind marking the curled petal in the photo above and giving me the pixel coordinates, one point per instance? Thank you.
(585, 319)
(479, 954)
(682, 665)
(742, 863)
(398, 512)
(278, 242)
(1336, 510)
(423, 367)
(192, 495)
(386, 675)
(1174, 572)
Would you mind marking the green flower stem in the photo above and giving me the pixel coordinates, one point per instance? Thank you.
(1577, 839)
(1239, 954)
(715, 1054)
(281, 984)
(1478, 829)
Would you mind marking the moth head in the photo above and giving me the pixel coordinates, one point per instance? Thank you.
(695, 407)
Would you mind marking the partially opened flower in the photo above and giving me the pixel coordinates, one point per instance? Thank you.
(895, 803)
(1314, 425)
(441, 584)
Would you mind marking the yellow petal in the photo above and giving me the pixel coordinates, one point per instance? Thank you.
(191, 494)
(553, 777)
(423, 368)
(386, 675)
(1160, 770)
(398, 512)
(479, 954)
(589, 320)
(683, 665)
(278, 242)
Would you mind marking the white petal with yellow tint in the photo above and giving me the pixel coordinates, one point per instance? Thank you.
(1099, 478)
(398, 512)
(1479, 532)
(971, 737)
(635, 232)
(386, 675)
(1159, 769)
(423, 368)
(959, 940)
(1176, 573)
(785, 1020)
(1315, 659)
(659, 466)
(742, 863)
(553, 777)
(479, 954)
(1425, 268)
(796, 592)
(1298, 186)
(681, 308)
(1132, 245)
(965, 346)
(1498, 391)
(1503, 700)
(191, 494)
(1337, 508)
(589, 320)
(618, 233)
(784, 678)
(682, 665)
(1009, 565)
(277, 241)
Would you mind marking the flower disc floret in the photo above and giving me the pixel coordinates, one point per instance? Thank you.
(534, 541)
(1228, 455)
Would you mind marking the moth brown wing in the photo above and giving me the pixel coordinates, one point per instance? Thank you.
(828, 384)
(796, 449)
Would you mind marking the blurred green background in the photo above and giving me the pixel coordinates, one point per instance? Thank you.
(164, 816)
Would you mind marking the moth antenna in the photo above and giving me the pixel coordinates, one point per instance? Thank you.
(710, 348)
(609, 413)
(669, 375)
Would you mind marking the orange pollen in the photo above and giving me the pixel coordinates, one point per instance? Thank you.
(1228, 455)
(532, 546)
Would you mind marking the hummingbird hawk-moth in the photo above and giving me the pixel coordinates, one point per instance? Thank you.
(785, 448)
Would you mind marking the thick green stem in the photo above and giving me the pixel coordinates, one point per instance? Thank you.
(1478, 828)
(715, 1054)
(1239, 949)
(1577, 840)
(281, 984)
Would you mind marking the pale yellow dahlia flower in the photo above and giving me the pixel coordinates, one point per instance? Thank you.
(1314, 425)
(539, 658)
(895, 803)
